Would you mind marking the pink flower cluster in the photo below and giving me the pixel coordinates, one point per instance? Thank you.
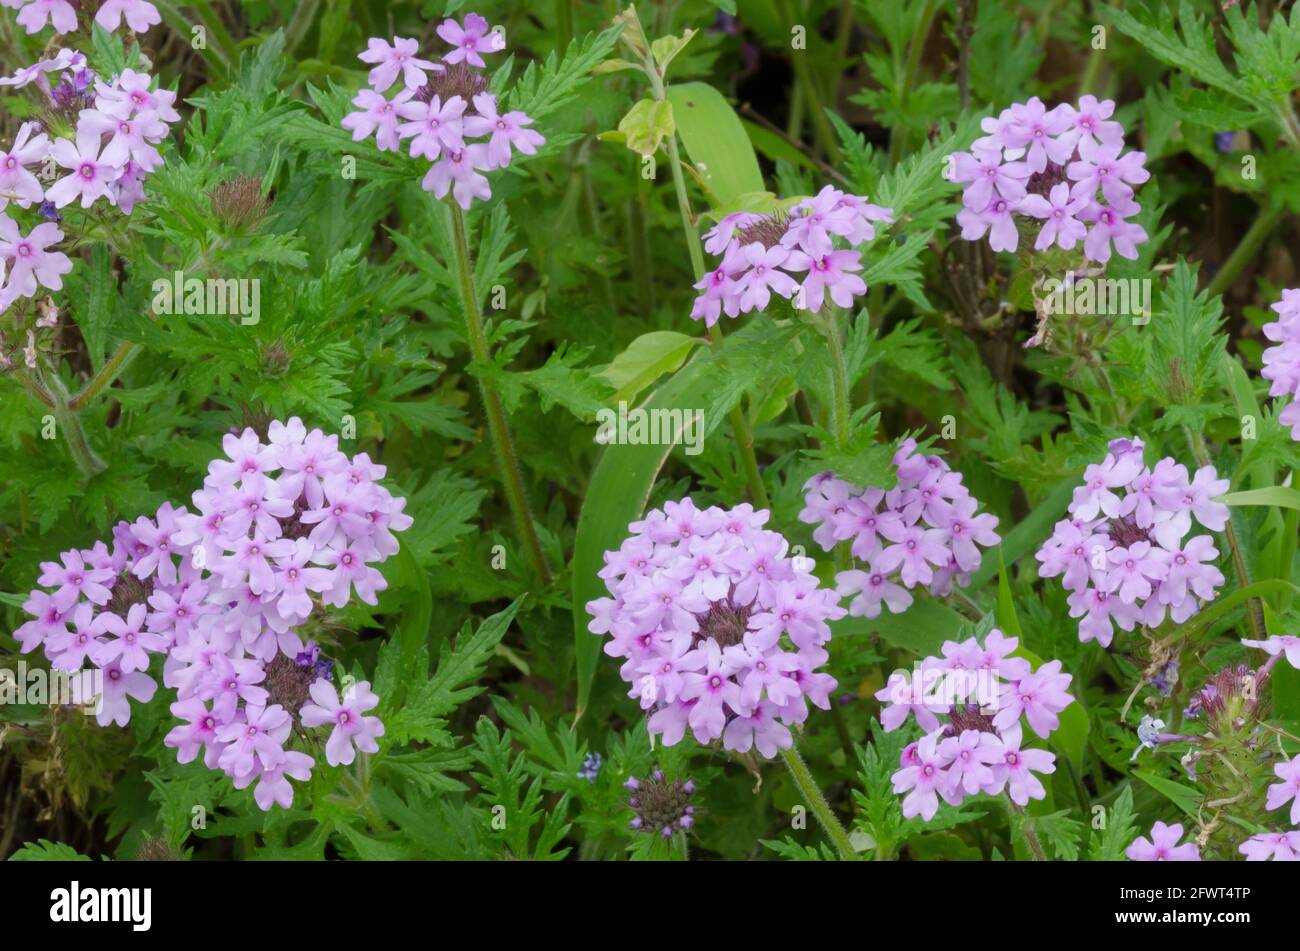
(440, 108)
(139, 15)
(1282, 361)
(984, 691)
(1124, 553)
(218, 592)
(117, 128)
(720, 630)
(922, 531)
(759, 252)
(1065, 167)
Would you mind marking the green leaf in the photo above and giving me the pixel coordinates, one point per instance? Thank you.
(1184, 797)
(421, 717)
(666, 48)
(1278, 495)
(716, 142)
(43, 850)
(646, 358)
(1119, 830)
(646, 125)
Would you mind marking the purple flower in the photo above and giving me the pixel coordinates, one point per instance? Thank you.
(1278, 846)
(720, 630)
(434, 126)
(506, 130)
(1163, 846)
(378, 117)
(17, 184)
(1279, 794)
(923, 779)
(457, 172)
(90, 174)
(1070, 156)
(351, 725)
(1015, 771)
(219, 592)
(139, 15)
(1059, 209)
(59, 13)
(396, 59)
(468, 41)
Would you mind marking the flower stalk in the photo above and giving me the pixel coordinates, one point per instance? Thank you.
(498, 424)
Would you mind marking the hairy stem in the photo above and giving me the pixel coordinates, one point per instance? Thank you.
(812, 794)
(1027, 830)
(498, 424)
(87, 461)
(109, 372)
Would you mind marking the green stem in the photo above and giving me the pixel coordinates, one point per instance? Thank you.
(823, 133)
(66, 419)
(841, 405)
(109, 372)
(1027, 830)
(812, 794)
(498, 423)
(1245, 251)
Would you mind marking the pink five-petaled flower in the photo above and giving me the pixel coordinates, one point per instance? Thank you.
(350, 724)
(506, 131)
(60, 13)
(1109, 226)
(831, 272)
(1060, 226)
(256, 740)
(400, 58)
(1279, 794)
(763, 276)
(456, 172)
(198, 731)
(1107, 171)
(131, 644)
(272, 782)
(1016, 767)
(1039, 696)
(924, 779)
(1278, 846)
(475, 37)
(118, 685)
(28, 261)
(377, 116)
(972, 755)
(131, 138)
(433, 126)
(996, 219)
(139, 15)
(90, 174)
(1163, 846)
(987, 177)
(17, 184)
(1279, 644)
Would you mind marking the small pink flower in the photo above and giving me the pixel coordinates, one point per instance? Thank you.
(351, 726)
(475, 37)
(1163, 846)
